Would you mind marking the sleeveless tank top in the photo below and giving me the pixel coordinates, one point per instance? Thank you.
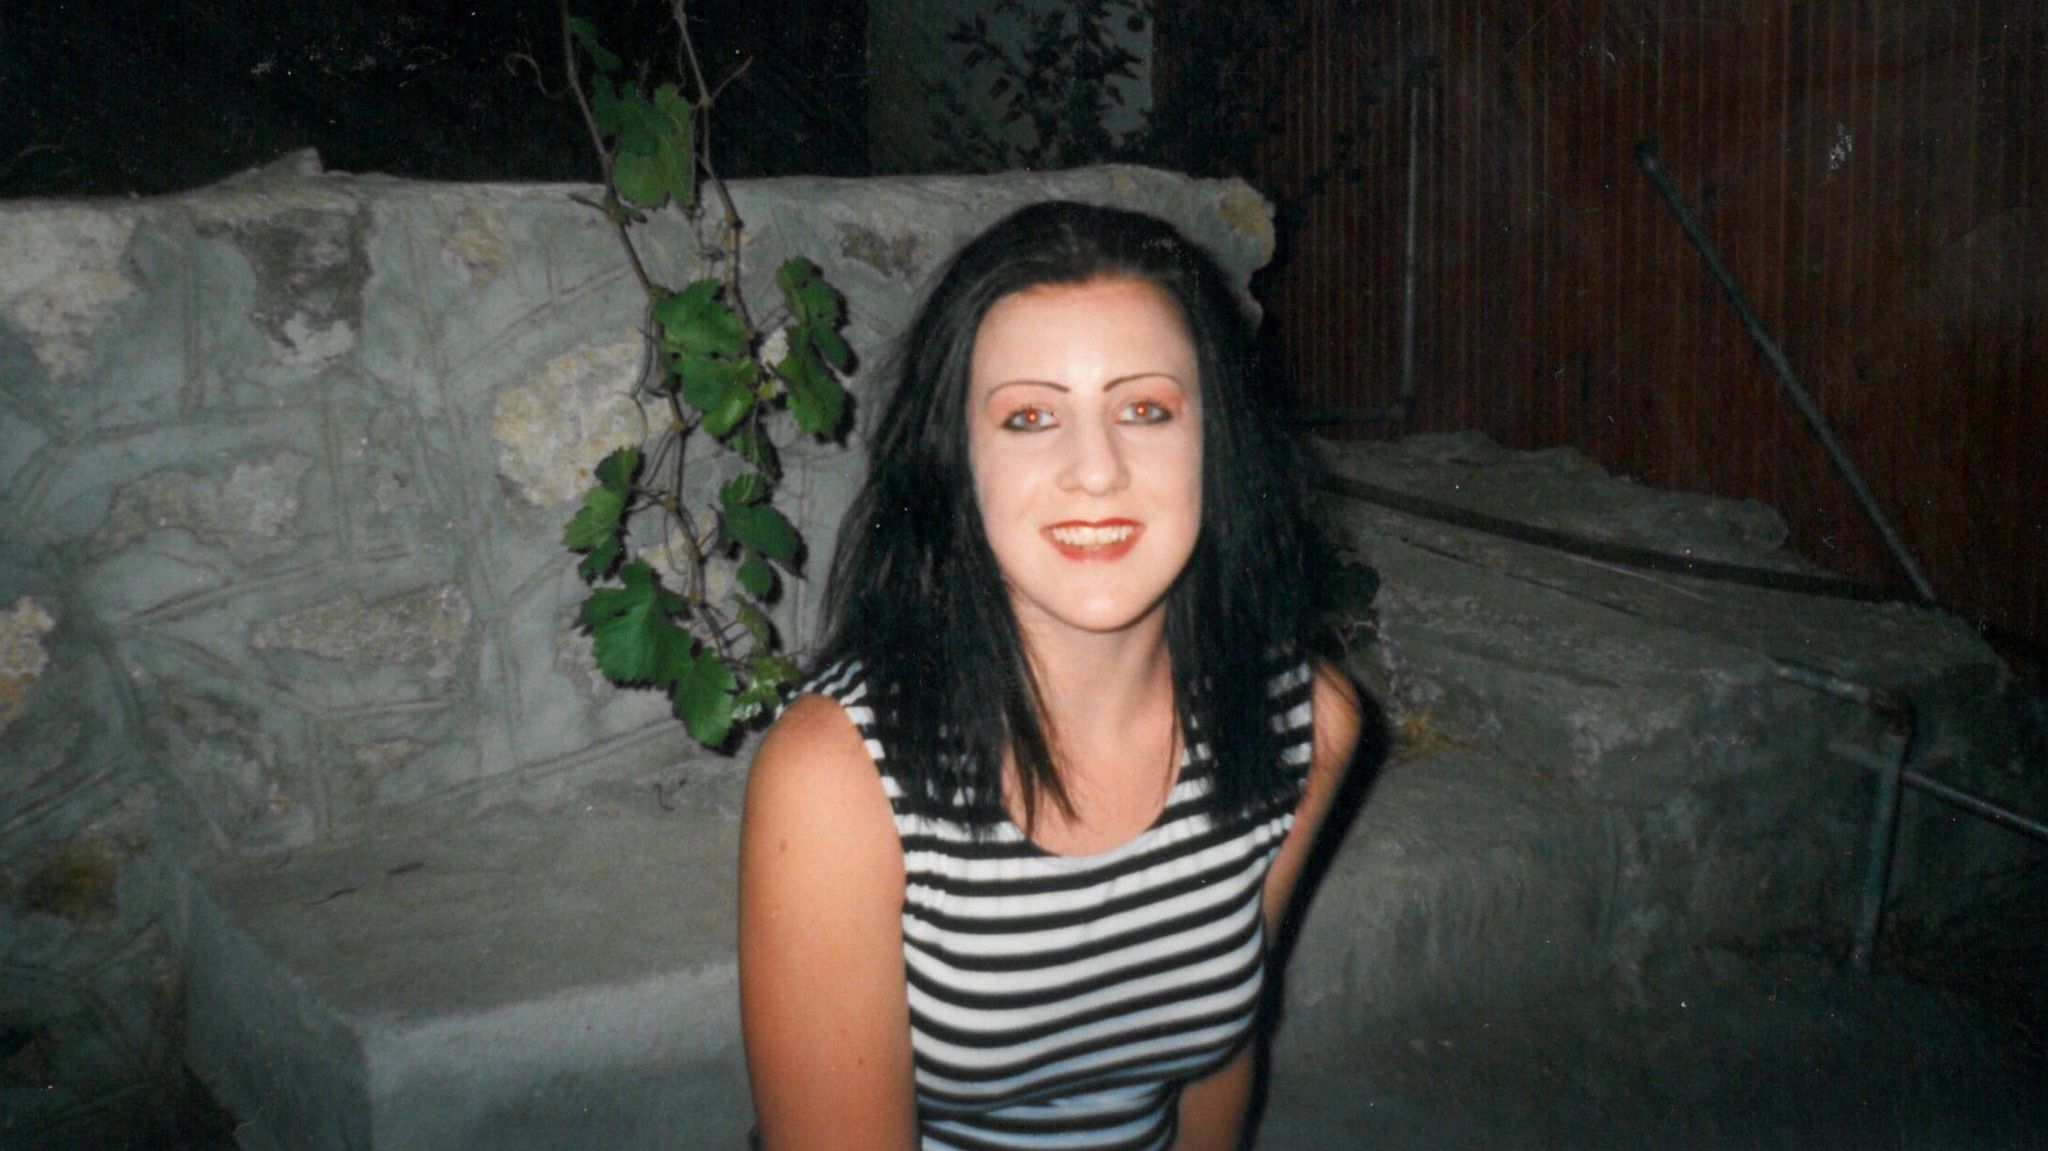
(1062, 1001)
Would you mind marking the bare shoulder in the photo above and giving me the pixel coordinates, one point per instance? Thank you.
(1339, 716)
(814, 734)
(813, 776)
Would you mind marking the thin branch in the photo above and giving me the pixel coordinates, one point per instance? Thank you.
(712, 96)
(611, 207)
(679, 10)
(684, 425)
(513, 60)
(717, 627)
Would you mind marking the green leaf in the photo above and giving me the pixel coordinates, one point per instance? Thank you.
(617, 468)
(695, 321)
(831, 346)
(742, 489)
(753, 619)
(759, 452)
(597, 521)
(585, 35)
(707, 383)
(773, 669)
(596, 565)
(678, 170)
(604, 104)
(812, 302)
(756, 576)
(639, 179)
(640, 126)
(678, 147)
(730, 411)
(632, 629)
(670, 101)
(816, 398)
(599, 525)
(765, 530)
(703, 699)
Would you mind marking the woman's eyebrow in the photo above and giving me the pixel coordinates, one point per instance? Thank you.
(1028, 383)
(1161, 374)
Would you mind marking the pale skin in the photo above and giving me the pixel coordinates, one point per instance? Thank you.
(1098, 427)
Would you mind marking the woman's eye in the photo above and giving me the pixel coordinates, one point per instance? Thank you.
(1028, 419)
(1146, 412)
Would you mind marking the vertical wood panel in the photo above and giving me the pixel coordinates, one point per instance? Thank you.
(1871, 171)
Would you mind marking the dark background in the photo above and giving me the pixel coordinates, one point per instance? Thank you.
(107, 97)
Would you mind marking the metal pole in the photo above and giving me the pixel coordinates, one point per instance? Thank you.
(1406, 405)
(2004, 817)
(1646, 154)
(1877, 874)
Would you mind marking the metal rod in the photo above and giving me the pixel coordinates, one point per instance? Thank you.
(1977, 805)
(1405, 406)
(1877, 873)
(1646, 155)
(1818, 680)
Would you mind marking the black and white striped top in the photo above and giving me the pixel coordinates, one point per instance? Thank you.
(1061, 1001)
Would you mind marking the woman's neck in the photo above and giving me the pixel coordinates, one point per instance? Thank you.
(1095, 686)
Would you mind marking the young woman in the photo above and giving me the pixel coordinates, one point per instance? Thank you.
(1008, 866)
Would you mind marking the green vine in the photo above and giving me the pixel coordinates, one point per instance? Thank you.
(708, 643)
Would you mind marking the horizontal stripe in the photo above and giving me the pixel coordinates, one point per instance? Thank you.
(1162, 1024)
(1107, 1107)
(970, 986)
(940, 948)
(1187, 1045)
(1150, 1127)
(954, 936)
(1011, 1029)
(1008, 891)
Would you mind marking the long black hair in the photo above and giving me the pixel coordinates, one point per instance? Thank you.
(915, 592)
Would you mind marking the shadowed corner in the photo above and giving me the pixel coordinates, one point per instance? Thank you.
(1375, 744)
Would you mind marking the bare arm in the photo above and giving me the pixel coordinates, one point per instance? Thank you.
(823, 1006)
(1212, 1109)
(1337, 716)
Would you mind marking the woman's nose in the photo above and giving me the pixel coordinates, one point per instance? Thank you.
(1095, 461)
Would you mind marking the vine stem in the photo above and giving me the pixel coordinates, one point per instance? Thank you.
(613, 210)
(615, 213)
(684, 427)
(706, 98)
(679, 11)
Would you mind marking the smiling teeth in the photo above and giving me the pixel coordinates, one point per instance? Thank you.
(1092, 537)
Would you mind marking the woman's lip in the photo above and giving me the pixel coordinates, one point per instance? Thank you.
(1094, 539)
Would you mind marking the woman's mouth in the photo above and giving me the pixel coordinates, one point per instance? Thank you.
(1097, 540)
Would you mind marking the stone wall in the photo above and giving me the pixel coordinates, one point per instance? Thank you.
(286, 463)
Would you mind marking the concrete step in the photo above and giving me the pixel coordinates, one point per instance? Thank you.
(1779, 1051)
(511, 978)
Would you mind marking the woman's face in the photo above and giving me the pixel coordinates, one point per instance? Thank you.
(1085, 441)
